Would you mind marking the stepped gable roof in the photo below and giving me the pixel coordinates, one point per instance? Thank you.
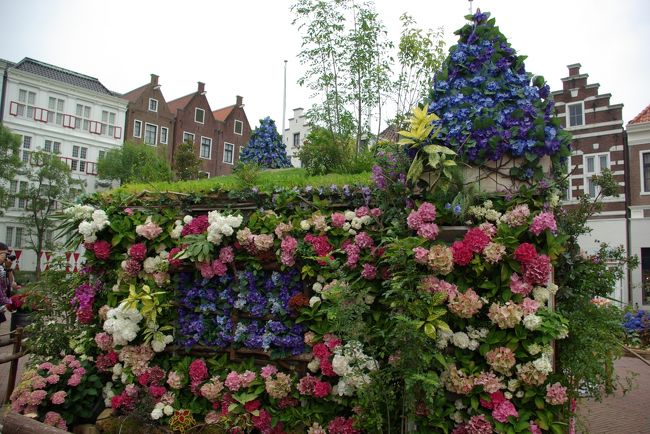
(223, 113)
(642, 117)
(180, 102)
(63, 75)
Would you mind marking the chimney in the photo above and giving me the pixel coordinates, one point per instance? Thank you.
(240, 100)
(154, 79)
(201, 87)
(574, 69)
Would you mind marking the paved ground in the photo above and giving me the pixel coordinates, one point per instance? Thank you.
(620, 414)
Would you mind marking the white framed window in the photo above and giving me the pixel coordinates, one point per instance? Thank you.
(296, 140)
(228, 153)
(593, 164)
(27, 145)
(55, 112)
(567, 192)
(101, 155)
(52, 146)
(644, 158)
(79, 157)
(150, 133)
(199, 115)
(83, 117)
(26, 100)
(164, 133)
(239, 127)
(206, 148)
(153, 105)
(137, 128)
(108, 123)
(188, 137)
(22, 202)
(14, 237)
(575, 114)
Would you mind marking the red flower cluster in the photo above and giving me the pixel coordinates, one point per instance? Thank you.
(525, 253)
(536, 268)
(341, 425)
(198, 225)
(462, 253)
(102, 250)
(105, 362)
(321, 245)
(172, 253)
(476, 240)
(138, 251)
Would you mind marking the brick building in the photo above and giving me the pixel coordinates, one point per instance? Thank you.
(598, 143)
(235, 133)
(638, 140)
(148, 118)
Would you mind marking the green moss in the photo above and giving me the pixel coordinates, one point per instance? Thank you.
(267, 181)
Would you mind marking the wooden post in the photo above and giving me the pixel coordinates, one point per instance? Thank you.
(14, 423)
(13, 370)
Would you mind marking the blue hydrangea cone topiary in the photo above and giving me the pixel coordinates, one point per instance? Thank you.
(265, 147)
(491, 108)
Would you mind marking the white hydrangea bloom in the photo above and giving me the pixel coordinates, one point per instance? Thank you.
(543, 364)
(532, 322)
(349, 215)
(460, 340)
(188, 219)
(305, 225)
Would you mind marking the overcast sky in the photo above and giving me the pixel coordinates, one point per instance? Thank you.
(238, 47)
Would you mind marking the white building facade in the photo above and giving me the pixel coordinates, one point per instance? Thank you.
(58, 111)
(295, 135)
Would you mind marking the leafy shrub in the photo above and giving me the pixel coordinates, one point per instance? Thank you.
(322, 152)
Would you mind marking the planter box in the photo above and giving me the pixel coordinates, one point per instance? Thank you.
(493, 176)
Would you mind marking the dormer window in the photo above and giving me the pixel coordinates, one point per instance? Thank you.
(199, 116)
(239, 127)
(153, 105)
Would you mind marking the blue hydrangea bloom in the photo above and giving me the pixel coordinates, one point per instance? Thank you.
(265, 147)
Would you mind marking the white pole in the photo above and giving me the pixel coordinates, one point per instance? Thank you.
(284, 102)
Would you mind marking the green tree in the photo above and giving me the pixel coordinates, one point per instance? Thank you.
(323, 23)
(420, 55)
(50, 184)
(186, 162)
(367, 65)
(10, 162)
(134, 162)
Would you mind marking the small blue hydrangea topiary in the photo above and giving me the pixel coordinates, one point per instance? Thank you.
(265, 147)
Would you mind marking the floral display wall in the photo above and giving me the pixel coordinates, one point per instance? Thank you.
(338, 309)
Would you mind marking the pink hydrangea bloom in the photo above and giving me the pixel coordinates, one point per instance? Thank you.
(414, 220)
(53, 418)
(369, 271)
(288, 248)
(104, 341)
(375, 212)
(207, 272)
(465, 305)
(198, 370)
(149, 230)
(363, 240)
(543, 221)
(52, 379)
(131, 267)
(427, 212)
(171, 257)
(219, 268)
(362, 211)
(74, 380)
(488, 229)
(519, 285)
(268, 371)
(58, 397)
(433, 284)
(226, 255)
(534, 429)
(421, 255)
(556, 394)
(501, 359)
(529, 306)
(338, 219)
(538, 271)
(428, 231)
(502, 411)
(478, 425)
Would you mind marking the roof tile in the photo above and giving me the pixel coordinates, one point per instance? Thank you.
(62, 75)
(642, 117)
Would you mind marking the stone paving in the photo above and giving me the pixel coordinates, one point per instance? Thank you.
(622, 413)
